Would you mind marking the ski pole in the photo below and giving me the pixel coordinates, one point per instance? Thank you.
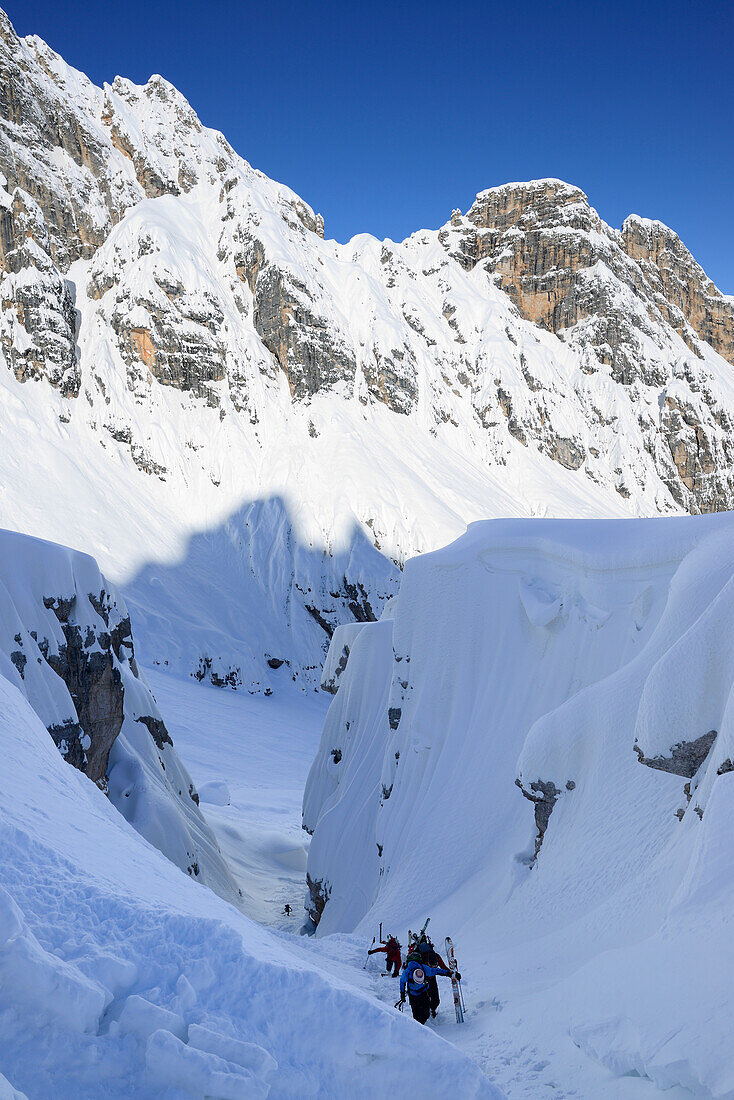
(368, 954)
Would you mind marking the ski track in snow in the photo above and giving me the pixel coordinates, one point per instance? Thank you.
(521, 1056)
(517, 1053)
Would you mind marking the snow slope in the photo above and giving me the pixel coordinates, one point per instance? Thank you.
(587, 667)
(250, 776)
(119, 976)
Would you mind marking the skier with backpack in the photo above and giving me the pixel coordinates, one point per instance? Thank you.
(430, 956)
(391, 947)
(415, 978)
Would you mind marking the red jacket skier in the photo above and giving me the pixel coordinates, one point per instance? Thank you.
(391, 947)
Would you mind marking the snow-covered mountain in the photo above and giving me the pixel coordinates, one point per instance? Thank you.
(249, 424)
(254, 430)
(536, 750)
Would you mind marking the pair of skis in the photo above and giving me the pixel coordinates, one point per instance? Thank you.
(455, 983)
(414, 937)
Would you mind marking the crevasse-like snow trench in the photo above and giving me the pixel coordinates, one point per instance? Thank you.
(249, 757)
(121, 977)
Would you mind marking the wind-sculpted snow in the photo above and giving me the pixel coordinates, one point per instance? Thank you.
(182, 343)
(120, 977)
(538, 754)
(346, 813)
(66, 644)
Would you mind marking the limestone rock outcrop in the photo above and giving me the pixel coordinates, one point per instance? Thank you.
(618, 295)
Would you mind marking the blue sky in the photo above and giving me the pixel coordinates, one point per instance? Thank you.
(385, 117)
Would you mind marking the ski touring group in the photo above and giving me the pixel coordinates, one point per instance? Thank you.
(423, 965)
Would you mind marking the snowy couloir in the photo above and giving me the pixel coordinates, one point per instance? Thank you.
(536, 749)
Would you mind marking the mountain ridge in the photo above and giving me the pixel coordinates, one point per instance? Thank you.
(182, 342)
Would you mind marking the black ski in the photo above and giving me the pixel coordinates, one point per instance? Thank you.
(368, 954)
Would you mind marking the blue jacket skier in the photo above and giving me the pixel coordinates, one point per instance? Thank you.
(430, 955)
(415, 978)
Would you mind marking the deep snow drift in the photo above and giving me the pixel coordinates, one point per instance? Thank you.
(121, 976)
(586, 666)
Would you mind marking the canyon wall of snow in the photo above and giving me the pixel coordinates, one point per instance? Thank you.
(193, 375)
(536, 751)
(66, 644)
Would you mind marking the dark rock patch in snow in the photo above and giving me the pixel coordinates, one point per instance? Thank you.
(318, 895)
(544, 795)
(686, 757)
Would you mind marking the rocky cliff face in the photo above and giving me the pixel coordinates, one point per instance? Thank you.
(679, 283)
(617, 295)
(539, 238)
(175, 325)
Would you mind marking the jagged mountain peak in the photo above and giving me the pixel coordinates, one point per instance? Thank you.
(534, 191)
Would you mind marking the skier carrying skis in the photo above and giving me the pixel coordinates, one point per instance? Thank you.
(415, 976)
(391, 947)
(430, 956)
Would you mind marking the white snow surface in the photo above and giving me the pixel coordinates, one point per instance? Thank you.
(121, 977)
(260, 750)
(548, 652)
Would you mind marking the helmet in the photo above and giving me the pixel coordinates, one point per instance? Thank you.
(424, 948)
(418, 976)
